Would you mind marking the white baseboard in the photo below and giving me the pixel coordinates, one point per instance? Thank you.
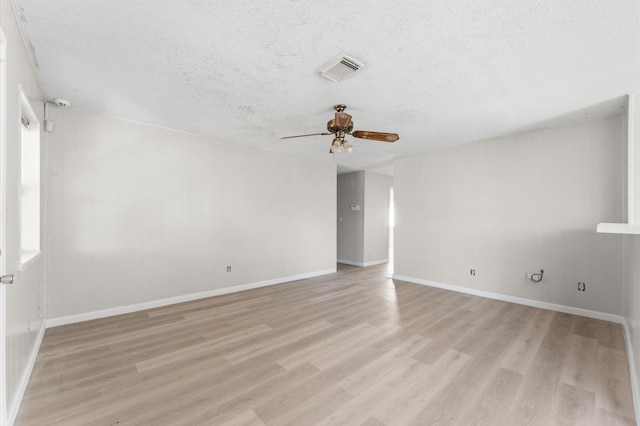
(71, 319)
(519, 300)
(632, 370)
(350, 262)
(365, 264)
(12, 411)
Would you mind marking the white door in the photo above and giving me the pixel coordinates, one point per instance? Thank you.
(3, 218)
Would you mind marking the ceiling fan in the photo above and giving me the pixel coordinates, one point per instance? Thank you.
(341, 126)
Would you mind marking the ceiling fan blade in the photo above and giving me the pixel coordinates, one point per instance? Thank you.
(308, 134)
(376, 136)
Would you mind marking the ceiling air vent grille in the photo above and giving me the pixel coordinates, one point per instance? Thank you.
(340, 68)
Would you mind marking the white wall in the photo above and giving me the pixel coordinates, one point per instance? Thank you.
(376, 217)
(23, 298)
(632, 296)
(514, 205)
(140, 214)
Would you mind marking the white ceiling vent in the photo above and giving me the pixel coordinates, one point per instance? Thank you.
(340, 68)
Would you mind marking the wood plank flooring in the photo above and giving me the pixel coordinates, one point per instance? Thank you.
(353, 348)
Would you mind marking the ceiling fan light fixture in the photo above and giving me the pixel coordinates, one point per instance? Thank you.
(336, 146)
(341, 126)
(340, 146)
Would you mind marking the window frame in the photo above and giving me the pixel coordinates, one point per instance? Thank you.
(29, 190)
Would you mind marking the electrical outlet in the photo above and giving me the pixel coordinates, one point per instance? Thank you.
(582, 286)
(473, 272)
(229, 268)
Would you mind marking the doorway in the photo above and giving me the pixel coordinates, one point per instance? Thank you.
(392, 224)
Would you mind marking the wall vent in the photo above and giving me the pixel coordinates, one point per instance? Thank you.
(340, 68)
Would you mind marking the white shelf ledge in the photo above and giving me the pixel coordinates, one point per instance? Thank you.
(618, 228)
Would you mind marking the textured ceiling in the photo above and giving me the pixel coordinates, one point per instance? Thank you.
(437, 72)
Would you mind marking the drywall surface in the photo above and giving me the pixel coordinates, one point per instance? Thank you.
(632, 297)
(139, 214)
(350, 238)
(376, 217)
(518, 204)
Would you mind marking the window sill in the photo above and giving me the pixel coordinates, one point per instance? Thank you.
(28, 258)
(618, 228)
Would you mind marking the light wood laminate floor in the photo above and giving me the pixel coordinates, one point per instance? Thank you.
(352, 348)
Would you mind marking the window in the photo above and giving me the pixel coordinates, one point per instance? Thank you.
(29, 182)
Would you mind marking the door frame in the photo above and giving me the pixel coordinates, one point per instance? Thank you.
(3, 234)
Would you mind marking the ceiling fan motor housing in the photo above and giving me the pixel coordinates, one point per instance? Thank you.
(342, 121)
(333, 127)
